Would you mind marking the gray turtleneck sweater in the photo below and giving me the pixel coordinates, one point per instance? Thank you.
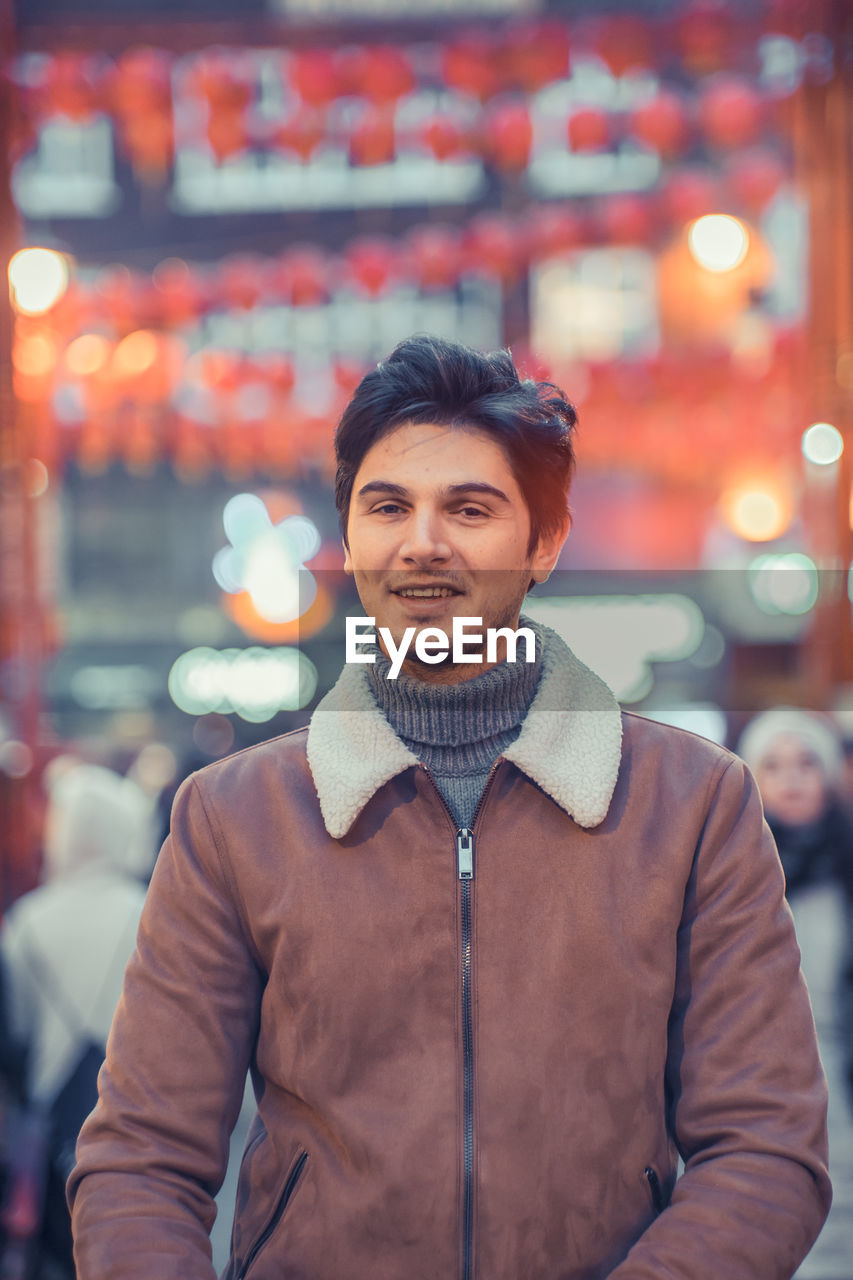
(459, 730)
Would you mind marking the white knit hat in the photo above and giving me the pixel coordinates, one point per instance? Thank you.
(96, 820)
(811, 729)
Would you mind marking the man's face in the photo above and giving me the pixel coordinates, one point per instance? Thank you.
(438, 528)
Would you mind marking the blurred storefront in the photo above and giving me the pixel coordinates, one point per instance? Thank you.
(221, 221)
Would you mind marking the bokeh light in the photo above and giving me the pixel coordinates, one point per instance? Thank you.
(34, 356)
(786, 583)
(87, 354)
(38, 278)
(755, 512)
(136, 354)
(37, 478)
(718, 242)
(266, 559)
(823, 444)
(254, 683)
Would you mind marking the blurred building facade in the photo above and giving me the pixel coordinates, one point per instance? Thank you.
(648, 202)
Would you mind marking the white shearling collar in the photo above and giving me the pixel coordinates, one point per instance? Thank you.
(570, 743)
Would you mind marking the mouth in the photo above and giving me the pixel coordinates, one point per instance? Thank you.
(425, 592)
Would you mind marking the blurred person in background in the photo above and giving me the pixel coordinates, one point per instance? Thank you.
(64, 948)
(798, 762)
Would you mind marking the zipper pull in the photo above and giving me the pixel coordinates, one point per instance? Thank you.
(465, 853)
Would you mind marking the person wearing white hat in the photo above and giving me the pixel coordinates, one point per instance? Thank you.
(797, 760)
(64, 946)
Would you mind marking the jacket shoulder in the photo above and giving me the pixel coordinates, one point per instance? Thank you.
(675, 751)
(270, 760)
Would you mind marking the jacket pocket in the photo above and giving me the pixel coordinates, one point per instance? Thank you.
(291, 1182)
(655, 1189)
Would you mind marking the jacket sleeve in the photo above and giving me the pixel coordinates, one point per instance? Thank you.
(745, 1091)
(153, 1153)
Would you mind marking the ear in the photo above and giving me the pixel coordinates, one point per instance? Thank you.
(347, 558)
(548, 549)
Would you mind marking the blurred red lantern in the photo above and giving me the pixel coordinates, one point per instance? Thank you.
(382, 73)
(227, 132)
(276, 446)
(302, 133)
(372, 141)
(179, 296)
(626, 219)
(470, 66)
(348, 374)
(306, 270)
(219, 79)
(73, 87)
(241, 280)
(588, 129)
(661, 123)
(443, 136)
(624, 42)
(141, 96)
(314, 75)
(508, 136)
(220, 370)
(371, 262)
(149, 141)
(493, 245)
(755, 176)
(553, 229)
(277, 370)
(730, 111)
(141, 82)
(435, 255)
(704, 35)
(535, 55)
(23, 133)
(689, 193)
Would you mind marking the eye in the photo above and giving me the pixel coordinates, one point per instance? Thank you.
(472, 512)
(387, 509)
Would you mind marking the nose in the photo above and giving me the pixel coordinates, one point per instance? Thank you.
(424, 540)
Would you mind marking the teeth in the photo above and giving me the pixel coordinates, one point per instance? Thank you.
(425, 593)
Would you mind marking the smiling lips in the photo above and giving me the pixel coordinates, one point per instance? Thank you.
(425, 593)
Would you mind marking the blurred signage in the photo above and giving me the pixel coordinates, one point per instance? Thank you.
(599, 304)
(620, 637)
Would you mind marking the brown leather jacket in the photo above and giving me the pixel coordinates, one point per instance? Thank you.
(485, 1076)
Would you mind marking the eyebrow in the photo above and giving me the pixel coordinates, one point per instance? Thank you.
(452, 491)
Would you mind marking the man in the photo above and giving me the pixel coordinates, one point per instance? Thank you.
(495, 954)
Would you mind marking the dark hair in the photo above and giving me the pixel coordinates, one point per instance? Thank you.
(427, 379)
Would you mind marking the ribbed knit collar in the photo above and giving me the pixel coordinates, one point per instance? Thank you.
(468, 716)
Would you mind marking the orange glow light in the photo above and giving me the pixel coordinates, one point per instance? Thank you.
(35, 356)
(136, 354)
(87, 354)
(757, 512)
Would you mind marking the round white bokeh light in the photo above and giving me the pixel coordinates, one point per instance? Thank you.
(822, 444)
(38, 278)
(718, 242)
